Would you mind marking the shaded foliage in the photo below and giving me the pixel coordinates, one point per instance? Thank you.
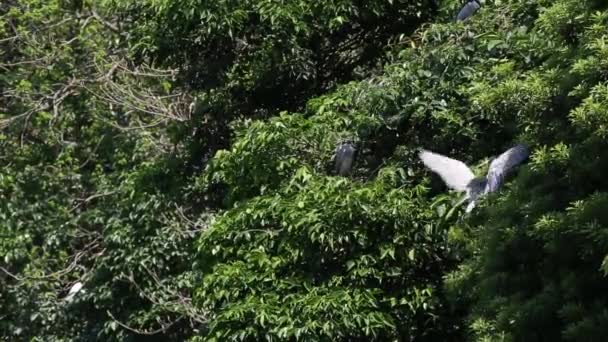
(176, 158)
(261, 56)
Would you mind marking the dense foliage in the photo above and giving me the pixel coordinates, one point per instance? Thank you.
(176, 158)
(261, 56)
(370, 257)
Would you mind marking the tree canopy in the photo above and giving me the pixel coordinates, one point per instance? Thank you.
(176, 158)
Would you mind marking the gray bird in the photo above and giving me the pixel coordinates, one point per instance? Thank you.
(345, 156)
(458, 176)
(468, 10)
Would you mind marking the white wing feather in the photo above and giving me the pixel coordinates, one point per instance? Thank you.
(454, 173)
(73, 290)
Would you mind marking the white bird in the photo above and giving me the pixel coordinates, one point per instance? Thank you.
(77, 287)
(458, 176)
(345, 156)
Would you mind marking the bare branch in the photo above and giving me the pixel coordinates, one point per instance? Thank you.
(17, 278)
(163, 328)
(57, 274)
(33, 61)
(195, 226)
(180, 305)
(104, 22)
(132, 89)
(92, 197)
(8, 39)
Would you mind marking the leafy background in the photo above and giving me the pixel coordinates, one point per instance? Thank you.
(176, 158)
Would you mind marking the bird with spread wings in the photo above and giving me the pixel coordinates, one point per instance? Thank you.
(458, 176)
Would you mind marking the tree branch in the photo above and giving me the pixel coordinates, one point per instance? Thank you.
(143, 332)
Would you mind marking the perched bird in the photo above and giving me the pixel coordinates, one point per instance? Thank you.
(468, 10)
(345, 156)
(458, 176)
(77, 287)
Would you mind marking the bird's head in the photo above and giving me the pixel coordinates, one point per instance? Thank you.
(349, 141)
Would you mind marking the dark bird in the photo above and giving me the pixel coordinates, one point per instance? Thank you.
(458, 176)
(345, 157)
(468, 10)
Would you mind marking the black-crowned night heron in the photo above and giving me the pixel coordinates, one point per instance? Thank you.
(77, 287)
(469, 8)
(345, 156)
(458, 176)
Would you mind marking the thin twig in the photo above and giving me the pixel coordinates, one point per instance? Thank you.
(104, 22)
(143, 332)
(92, 197)
(17, 278)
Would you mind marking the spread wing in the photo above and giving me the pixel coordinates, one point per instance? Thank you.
(503, 164)
(454, 173)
